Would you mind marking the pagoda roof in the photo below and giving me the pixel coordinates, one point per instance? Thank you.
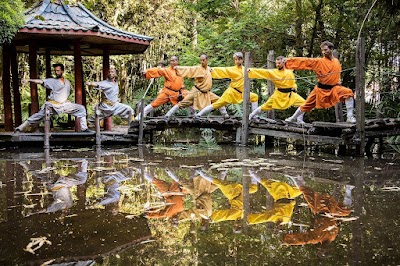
(57, 26)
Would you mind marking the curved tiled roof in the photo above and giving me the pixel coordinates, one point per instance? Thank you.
(46, 15)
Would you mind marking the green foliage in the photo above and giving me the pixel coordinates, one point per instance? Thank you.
(11, 19)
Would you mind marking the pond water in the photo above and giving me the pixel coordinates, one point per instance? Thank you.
(185, 205)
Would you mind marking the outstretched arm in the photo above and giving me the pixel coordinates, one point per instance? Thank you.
(37, 81)
(92, 84)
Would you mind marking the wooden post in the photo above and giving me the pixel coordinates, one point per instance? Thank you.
(15, 86)
(97, 127)
(78, 79)
(246, 199)
(46, 127)
(106, 69)
(339, 112)
(48, 69)
(141, 121)
(8, 116)
(271, 86)
(246, 101)
(33, 74)
(360, 92)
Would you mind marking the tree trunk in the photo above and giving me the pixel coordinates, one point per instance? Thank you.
(316, 26)
(298, 27)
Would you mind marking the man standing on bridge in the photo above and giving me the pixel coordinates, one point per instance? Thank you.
(173, 91)
(234, 93)
(58, 100)
(285, 94)
(110, 104)
(328, 92)
(200, 96)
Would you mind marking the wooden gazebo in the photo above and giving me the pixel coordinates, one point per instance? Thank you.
(54, 28)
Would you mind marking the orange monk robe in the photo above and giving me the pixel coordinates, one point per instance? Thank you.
(234, 193)
(200, 96)
(328, 73)
(174, 202)
(173, 85)
(234, 93)
(324, 232)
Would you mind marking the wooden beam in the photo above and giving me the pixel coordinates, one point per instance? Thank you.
(360, 92)
(271, 86)
(106, 69)
(48, 68)
(33, 74)
(8, 116)
(78, 79)
(15, 86)
(246, 101)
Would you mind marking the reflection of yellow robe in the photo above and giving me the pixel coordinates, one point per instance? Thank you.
(282, 79)
(234, 94)
(200, 96)
(280, 213)
(234, 194)
(280, 190)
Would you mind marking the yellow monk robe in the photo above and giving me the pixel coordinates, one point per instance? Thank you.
(280, 213)
(200, 96)
(282, 79)
(234, 93)
(280, 190)
(173, 85)
(234, 194)
(328, 73)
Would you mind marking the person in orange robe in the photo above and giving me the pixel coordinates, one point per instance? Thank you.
(173, 91)
(328, 92)
(325, 229)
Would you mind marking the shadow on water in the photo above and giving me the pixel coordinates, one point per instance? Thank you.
(185, 205)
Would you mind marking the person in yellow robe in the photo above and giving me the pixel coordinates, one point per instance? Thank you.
(234, 93)
(285, 94)
(281, 212)
(200, 96)
(234, 193)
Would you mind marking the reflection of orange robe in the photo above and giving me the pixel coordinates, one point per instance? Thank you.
(173, 85)
(323, 203)
(328, 73)
(324, 232)
(176, 200)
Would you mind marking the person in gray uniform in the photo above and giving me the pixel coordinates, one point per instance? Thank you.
(110, 104)
(58, 100)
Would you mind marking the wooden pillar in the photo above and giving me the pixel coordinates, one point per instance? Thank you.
(33, 74)
(15, 86)
(360, 92)
(48, 69)
(78, 79)
(271, 86)
(8, 119)
(246, 199)
(246, 101)
(106, 68)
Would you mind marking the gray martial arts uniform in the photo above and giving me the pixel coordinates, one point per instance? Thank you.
(110, 104)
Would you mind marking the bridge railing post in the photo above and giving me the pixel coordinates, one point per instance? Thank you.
(270, 84)
(97, 126)
(246, 101)
(360, 92)
(47, 126)
(141, 121)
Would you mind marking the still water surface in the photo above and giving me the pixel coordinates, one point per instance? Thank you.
(182, 205)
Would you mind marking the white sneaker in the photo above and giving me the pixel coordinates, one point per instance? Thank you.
(351, 119)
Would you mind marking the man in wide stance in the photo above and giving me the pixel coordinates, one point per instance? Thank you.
(173, 90)
(328, 92)
(234, 93)
(58, 100)
(285, 94)
(200, 96)
(110, 104)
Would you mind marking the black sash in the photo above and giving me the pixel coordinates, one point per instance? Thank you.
(286, 90)
(200, 90)
(237, 90)
(325, 86)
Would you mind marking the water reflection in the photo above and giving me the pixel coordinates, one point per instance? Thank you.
(213, 209)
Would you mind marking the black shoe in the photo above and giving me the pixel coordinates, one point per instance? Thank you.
(89, 131)
(17, 131)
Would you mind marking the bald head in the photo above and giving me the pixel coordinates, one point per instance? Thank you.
(204, 60)
(173, 61)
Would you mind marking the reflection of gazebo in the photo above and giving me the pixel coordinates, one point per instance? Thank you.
(54, 28)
